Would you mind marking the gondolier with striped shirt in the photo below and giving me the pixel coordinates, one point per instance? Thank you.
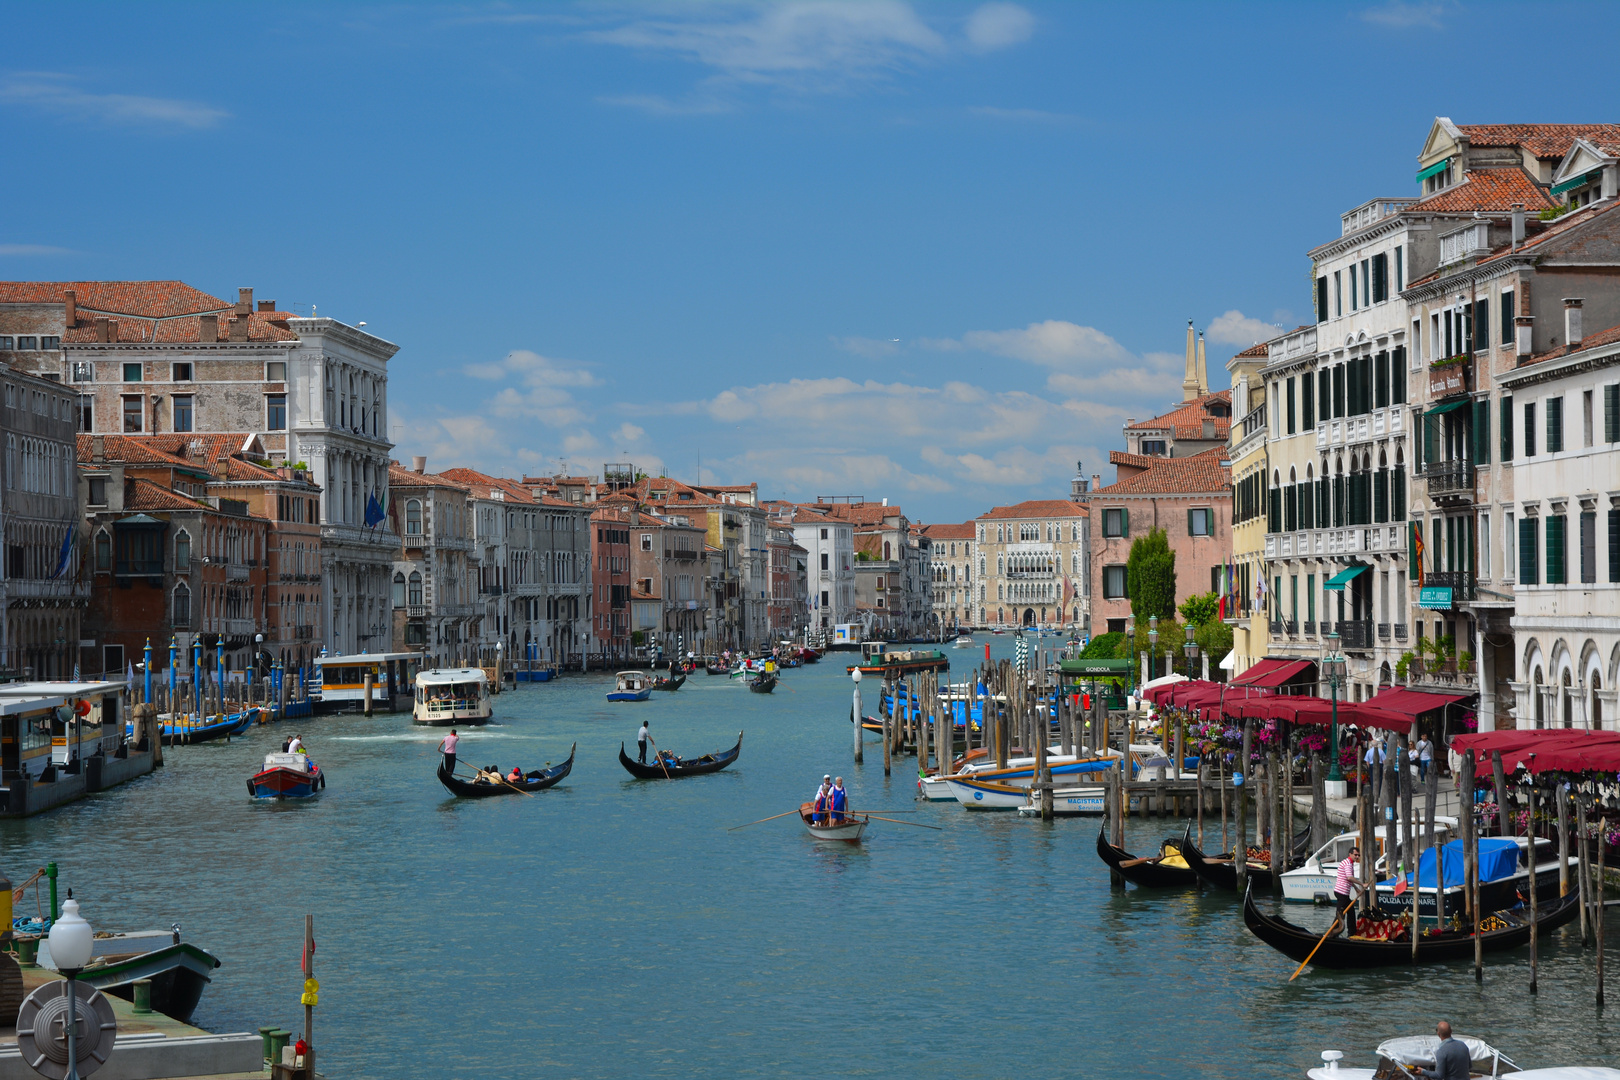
(448, 748)
(1343, 889)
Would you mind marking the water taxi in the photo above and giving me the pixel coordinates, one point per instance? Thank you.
(446, 696)
(631, 686)
(877, 659)
(339, 684)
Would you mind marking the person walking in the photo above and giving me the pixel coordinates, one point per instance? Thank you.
(1452, 1060)
(447, 747)
(1425, 757)
(642, 739)
(1344, 889)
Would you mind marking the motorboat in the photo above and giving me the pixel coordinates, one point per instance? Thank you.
(287, 776)
(446, 696)
(1406, 1054)
(1504, 876)
(179, 971)
(631, 686)
(963, 641)
(1313, 881)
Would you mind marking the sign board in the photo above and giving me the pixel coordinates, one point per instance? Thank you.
(1447, 380)
(1435, 597)
(1095, 667)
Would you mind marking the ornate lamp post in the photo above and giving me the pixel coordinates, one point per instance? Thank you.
(1153, 647)
(1130, 655)
(72, 942)
(1333, 670)
(1191, 651)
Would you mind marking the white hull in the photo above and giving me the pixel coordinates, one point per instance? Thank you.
(983, 797)
(1073, 802)
(935, 789)
(848, 833)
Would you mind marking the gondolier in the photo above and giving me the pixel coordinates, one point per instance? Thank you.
(641, 741)
(447, 747)
(1344, 889)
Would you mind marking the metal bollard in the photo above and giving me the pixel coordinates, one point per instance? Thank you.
(264, 1035)
(143, 995)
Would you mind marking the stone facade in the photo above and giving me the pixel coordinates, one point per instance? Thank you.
(1034, 564)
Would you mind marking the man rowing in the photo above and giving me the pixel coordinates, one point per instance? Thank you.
(840, 800)
(823, 798)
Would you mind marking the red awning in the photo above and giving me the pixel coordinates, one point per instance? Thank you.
(1559, 748)
(1272, 672)
(1412, 703)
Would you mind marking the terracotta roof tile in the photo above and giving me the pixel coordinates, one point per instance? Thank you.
(1177, 475)
(399, 477)
(964, 531)
(1589, 341)
(146, 495)
(1137, 461)
(1549, 231)
(1187, 419)
(483, 484)
(1542, 140)
(1260, 350)
(1486, 189)
(141, 299)
(1035, 508)
(123, 448)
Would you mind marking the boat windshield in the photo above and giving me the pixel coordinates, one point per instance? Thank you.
(449, 697)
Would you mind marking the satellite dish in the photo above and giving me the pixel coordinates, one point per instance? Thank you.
(42, 1028)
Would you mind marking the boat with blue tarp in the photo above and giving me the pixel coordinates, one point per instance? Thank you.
(1503, 876)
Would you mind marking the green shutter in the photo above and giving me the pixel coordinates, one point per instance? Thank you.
(1412, 528)
(1611, 413)
(1124, 523)
(1555, 550)
(1397, 510)
(1506, 434)
(1189, 523)
(1428, 440)
(1482, 432)
(1528, 563)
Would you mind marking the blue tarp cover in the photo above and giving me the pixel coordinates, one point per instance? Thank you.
(1498, 858)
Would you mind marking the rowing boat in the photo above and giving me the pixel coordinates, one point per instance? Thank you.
(849, 830)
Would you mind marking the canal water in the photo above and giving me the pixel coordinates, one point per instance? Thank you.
(615, 928)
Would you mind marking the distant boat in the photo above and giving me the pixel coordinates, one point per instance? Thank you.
(673, 683)
(631, 686)
(763, 683)
(481, 788)
(446, 696)
(849, 830)
(673, 768)
(287, 776)
(963, 641)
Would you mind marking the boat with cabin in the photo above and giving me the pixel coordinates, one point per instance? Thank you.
(631, 686)
(877, 658)
(339, 684)
(1312, 882)
(1406, 1055)
(1504, 876)
(447, 696)
(287, 776)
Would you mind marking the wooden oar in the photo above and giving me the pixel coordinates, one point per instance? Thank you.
(897, 821)
(773, 817)
(660, 758)
(1139, 862)
(1323, 940)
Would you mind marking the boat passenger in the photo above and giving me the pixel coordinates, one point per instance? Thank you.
(840, 799)
(1452, 1060)
(823, 796)
(295, 745)
(516, 775)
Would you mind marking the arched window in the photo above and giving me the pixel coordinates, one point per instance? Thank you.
(1596, 717)
(413, 517)
(1540, 701)
(182, 552)
(182, 605)
(399, 589)
(103, 551)
(1569, 707)
(415, 592)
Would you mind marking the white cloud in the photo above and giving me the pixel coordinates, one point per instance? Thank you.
(1398, 15)
(997, 26)
(1236, 328)
(628, 433)
(538, 388)
(23, 250)
(871, 348)
(1055, 343)
(663, 106)
(60, 94)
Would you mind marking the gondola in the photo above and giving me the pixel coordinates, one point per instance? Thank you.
(763, 683)
(680, 767)
(1221, 870)
(538, 780)
(669, 684)
(716, 668)
(1155, 872)
(1338, 951)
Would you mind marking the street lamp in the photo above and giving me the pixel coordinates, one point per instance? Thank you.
(1333, 670)
(258, 653)
(1130, 655)
(71, 943)
(1191, 649)
(1153, 646)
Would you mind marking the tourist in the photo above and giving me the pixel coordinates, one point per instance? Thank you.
(286, 743)
(1344, 888)
(447, 747)
(822, 794)
(840, 800)
(642, 738)
(1425, 757)
(516, 775)
(1452, 1060)
(296, 745)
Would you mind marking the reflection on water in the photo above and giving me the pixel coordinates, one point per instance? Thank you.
(611, 927)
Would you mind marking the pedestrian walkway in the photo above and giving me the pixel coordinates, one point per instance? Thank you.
(1340, 811)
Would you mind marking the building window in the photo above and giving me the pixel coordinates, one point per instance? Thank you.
(413, 517)
(182, 412)
(98, 491)
(824, 534)
(182, 552)
(414, 593)
(132, 372)
(87, 413)
(7, 343)
(275, 371)
(81, 371)
(1113, 582)
(103, 551)
(180, 372)
(399, 589)
(1153, 447)
(27, 344)
(275, 412)
(1116, 522)
(1555, 425)
(1529, 429)
(182, 605)
(134, 414)
(1556, 573)
(1201, 521)
(646, 543)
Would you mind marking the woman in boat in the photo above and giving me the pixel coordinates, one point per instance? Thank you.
(515, 776)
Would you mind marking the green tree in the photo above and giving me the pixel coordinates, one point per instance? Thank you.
(1150, 578)
(1104, 647)
(1215, 638)
(1200, 608)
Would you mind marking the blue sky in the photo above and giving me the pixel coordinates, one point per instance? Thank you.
(936, 253)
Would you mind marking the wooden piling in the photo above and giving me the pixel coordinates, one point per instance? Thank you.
(1319, 819)
(1561, 793)
(1369, 844)
(1225, 791)
(1530, 837)
(1431, 796)
(1403, 767)
(1601, 911)
(1240, 859)
(1501, 794)
(890, 718)
(1584, 877)
(1471, 859)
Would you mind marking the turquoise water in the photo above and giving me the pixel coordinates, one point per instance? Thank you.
(614, 928)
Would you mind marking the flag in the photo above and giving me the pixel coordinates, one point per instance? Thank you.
(63, 556)
(1417, 543)
(374, 512)
(1400, 886)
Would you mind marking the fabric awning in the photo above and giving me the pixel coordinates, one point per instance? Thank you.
(1230, 662)
(1576, 181)
(1438, 167)
(1560, 749)
(1449, 406)
(1338, 581)
(1272, 672)
(1413, 703)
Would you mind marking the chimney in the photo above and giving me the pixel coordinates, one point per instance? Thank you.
(239, 328)
(267, 305)
(244, 301)
(112, 331)
(1518, 223)
(101, 330)
(1522, 326)
(70, 300)
(208, 327)
(1209, 429)
(98, 449)
(1096, 481)
(419, 464)
(1572, 320)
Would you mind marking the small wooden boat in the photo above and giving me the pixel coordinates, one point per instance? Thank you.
(1166, 870)
(848, 830)
(631, 686)
(669, 684)
(1503, 930)
(1221, 870)
(178, 971)
(287, 776)
(483, 788)
(673, 768)
(763, 683)
(809, 655)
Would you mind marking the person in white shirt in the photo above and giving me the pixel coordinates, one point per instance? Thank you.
(296, 746)
(1425, 757)
(642, 738)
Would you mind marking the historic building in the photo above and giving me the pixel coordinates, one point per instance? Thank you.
(1033, 565)
(951, 565)
(432, 582)
(1243, 580)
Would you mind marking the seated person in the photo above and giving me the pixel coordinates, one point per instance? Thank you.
(516, 775)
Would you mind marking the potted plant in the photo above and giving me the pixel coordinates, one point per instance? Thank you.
(1404, 664)
(1465, 662)
(1445, 652)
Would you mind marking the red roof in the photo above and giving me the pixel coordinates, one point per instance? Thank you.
(1590, 341)
(483, 485)
(964, 531)
(1542, 140)
(146, 495)
(1036, 508)
(1413, 703)
(1487, 189)
(1559, 749)
(1198, 474)
(1186, 421)
(142, 299)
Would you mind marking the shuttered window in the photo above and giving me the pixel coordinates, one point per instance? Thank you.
(1507, 317)
(1482, 320)
(1381, 379)
(1506, 434)
(1614, 545)
(1397, 375)
(1290, 395)
(1274, 518)
(1397, 494)
(1611, 413)
(1556, 571)
(1324, 394)
(1307, 401)
(1589, 546)
(1380, 278)
(1321, 299)
(1482, 432)
(1530, 429)
(1555, 425)
(1528, 563)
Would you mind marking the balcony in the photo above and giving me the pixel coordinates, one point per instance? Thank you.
(236, 572)
(1356, 634)
(1255, 421)
(1310, 627)
(1276, 628)
(1383, 631)
(491, 590)
(1451, 483)
(1400, 631)
(1462, 584)
(1466, 243)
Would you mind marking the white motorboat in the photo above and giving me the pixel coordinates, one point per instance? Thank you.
(1504, 876)
(446, 696)
(1405, 1055)
(1073, 802)
(963, 641)
(1313, 881)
